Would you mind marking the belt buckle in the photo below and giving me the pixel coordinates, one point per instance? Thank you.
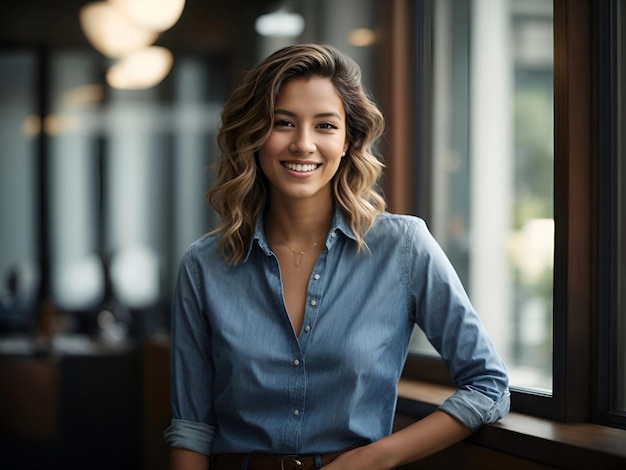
(289, 458)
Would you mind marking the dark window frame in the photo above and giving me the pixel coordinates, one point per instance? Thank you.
(607, 148)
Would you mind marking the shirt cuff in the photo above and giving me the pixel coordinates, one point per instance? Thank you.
(190, 435)
(475, 409)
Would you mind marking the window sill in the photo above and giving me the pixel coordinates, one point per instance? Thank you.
(563, 445)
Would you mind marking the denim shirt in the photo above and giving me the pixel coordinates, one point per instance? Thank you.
(243, 381)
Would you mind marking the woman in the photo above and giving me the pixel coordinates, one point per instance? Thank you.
(292, 321)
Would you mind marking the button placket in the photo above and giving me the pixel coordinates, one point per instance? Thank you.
(314, 295)
(297, 393)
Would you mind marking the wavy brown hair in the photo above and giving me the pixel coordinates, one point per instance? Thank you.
(240, 191)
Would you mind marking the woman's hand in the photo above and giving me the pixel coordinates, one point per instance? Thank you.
(360, 458)
(427, 436)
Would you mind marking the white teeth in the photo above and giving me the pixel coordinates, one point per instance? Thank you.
(300, 167)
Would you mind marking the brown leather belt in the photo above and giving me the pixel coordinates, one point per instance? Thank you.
(233, 461)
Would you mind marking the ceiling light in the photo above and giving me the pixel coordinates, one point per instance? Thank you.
(280, 24)
(362, 37)
(141, 69)
(154, 15)
(110, 32)
(82, 96)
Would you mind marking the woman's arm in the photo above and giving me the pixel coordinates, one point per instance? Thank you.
(184, 459)
(191, 369)
(427, 436)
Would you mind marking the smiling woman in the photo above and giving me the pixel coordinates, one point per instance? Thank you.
(251, 115)
(334, 288)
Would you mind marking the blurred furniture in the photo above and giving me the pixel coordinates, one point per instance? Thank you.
(156, 402)
(74, 406)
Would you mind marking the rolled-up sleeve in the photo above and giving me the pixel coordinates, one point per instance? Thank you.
(190, 435)
(445, 314)
(475, 409)
(191, 367)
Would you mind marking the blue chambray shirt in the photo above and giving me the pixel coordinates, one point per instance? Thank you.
(243, 381)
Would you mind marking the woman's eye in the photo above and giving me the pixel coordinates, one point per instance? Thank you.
(283, 123)
(328, 125)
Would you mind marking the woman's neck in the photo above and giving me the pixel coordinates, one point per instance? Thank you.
(297, 224)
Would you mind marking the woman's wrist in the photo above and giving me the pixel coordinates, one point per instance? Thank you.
(381, 454)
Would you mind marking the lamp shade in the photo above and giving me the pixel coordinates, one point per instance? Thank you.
(141, 69)
(110, 32)
(153, 15)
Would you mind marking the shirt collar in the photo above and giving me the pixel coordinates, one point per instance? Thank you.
(339, 225)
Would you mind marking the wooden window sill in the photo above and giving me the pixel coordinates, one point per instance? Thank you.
(563, 445)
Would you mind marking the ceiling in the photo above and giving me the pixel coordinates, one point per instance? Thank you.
(204, 25)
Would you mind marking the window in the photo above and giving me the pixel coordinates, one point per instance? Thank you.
(19, 245)
(97, 181)
(492, 171)
(567, 351)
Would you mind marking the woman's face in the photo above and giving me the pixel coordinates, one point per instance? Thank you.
(307, 140)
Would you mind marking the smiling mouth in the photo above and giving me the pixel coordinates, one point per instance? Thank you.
(302, 167)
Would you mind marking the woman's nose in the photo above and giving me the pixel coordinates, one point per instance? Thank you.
(303, 142)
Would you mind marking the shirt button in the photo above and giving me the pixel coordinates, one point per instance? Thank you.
(307, 328)
(296, 362)
(316, 277)
(333, 234)
(313, 302)
(296, 412)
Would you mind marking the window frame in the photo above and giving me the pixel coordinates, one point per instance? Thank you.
(581, 279)
(607, 147)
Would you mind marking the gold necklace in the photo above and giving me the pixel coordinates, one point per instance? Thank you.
(298, 256)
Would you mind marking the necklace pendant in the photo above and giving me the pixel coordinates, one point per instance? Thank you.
(298, 256)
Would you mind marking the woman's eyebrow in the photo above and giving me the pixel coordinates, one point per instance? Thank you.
(319, 115)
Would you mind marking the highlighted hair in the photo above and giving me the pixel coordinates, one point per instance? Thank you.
(240, 191)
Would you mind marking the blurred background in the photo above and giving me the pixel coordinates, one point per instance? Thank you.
(108, 117)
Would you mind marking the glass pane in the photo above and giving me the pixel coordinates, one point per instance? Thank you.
(493, 171)
(19, 130)
(621, 207)
(77, 277)
(126, 187)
